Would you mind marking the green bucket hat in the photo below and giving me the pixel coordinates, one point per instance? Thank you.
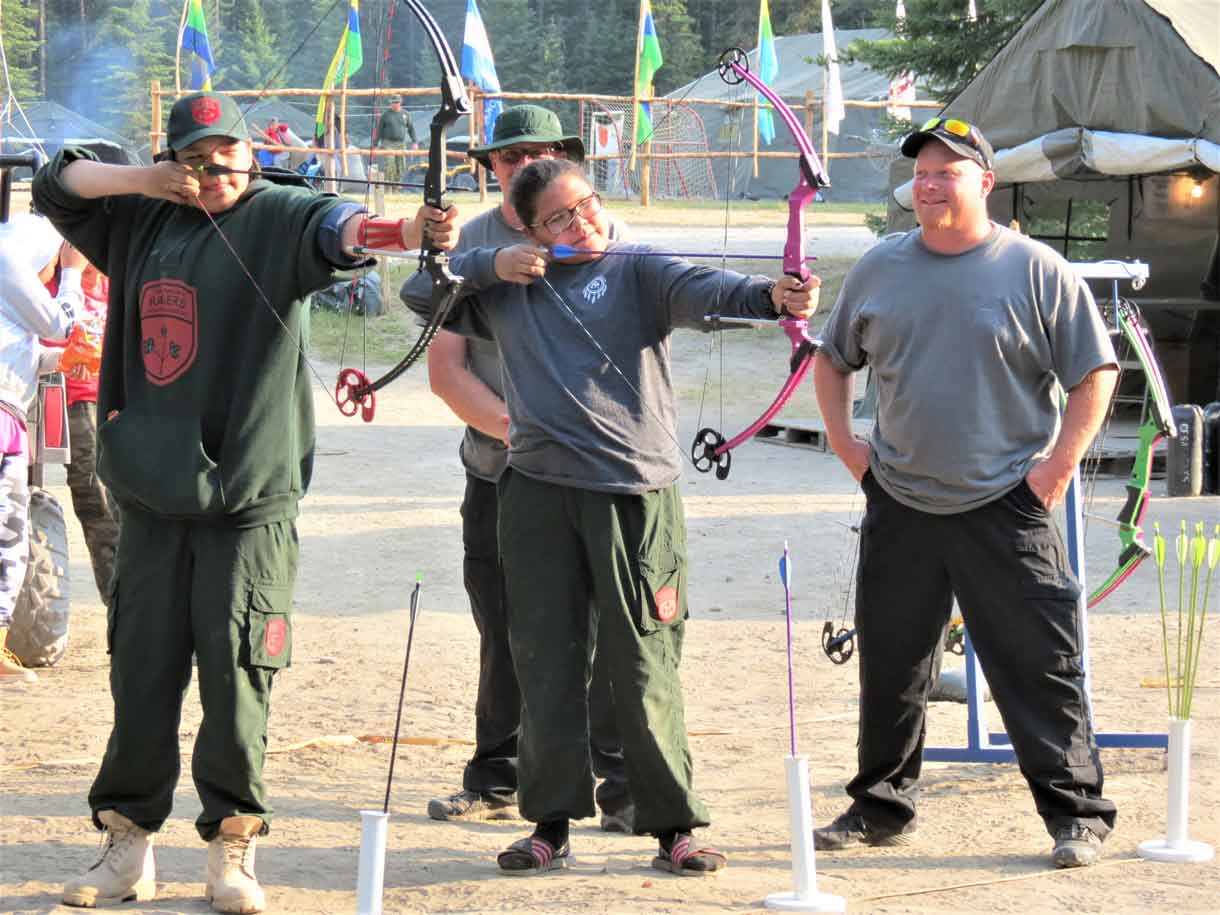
(204, 114)
(528, 124)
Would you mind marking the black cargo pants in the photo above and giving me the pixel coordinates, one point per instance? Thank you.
(1007, 565)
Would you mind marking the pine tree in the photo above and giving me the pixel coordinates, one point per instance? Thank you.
(137, 42)
(20, 38)
(254, 61)
(940, 44)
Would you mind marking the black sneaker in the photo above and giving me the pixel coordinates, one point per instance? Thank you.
(1075, 846)
(470, 805)
(849, 830)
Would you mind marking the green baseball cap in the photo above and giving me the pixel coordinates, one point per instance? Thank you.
(204, 114)
(528, 124)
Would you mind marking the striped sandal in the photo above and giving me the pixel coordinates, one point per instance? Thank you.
(534, 855)
(686, 859)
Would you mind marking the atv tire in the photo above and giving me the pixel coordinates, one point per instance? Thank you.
(38, 634)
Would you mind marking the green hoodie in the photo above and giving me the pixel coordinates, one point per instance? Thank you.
(215, 413)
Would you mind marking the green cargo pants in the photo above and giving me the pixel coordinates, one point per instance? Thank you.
(225, 595)
(588, 570)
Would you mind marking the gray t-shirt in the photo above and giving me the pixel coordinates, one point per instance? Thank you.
(483, 456)
(971, 354)
(573, 420)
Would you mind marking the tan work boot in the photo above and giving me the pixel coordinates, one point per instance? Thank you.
(11, 668)
(232, 886)
(124, 872)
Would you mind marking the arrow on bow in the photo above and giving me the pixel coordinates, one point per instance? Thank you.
(710, 448)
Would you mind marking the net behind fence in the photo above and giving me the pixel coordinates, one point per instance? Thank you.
(608, 130)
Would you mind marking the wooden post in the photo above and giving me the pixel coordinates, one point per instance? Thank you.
(825, 123)
(328, 112)
(343, 127)
(637, 91)
(383, 263)
(756, 117)
(646, 175)
(154, 128)
(477, 131)
(177, 50)
(810, 99)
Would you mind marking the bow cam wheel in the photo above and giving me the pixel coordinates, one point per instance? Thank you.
(727, 59)
(838, 645)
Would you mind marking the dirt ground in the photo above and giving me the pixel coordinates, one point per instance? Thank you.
(384, 506)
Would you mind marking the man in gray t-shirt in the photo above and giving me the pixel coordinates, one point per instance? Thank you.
(465, 373)
(973, 333)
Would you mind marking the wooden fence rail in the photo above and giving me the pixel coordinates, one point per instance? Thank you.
(807, 108)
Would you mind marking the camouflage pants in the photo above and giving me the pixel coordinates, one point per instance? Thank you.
(94, 506)
(392, 167)
(14, 531)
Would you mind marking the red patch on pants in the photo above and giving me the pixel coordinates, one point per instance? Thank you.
(276, 637)
(667, 603)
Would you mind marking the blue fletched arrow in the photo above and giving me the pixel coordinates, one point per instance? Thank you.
(562, 251)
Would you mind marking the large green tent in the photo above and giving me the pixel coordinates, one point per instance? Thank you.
(1105, 117)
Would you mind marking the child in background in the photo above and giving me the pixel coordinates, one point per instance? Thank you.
(29, 246)
(80, 362)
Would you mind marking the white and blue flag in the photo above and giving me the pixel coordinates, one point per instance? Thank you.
(479, 67)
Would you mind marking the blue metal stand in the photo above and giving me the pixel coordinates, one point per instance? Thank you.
(984, 746)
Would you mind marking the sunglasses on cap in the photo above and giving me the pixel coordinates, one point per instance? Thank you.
(952, 125)
(967, 133)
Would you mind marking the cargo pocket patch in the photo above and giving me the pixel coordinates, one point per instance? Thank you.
(662, 599)
(269, 630)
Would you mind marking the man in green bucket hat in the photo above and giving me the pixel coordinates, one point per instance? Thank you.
(465, 373)
(527, 129)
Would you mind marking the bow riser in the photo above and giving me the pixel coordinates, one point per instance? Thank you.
(710, 449)
(354, 388)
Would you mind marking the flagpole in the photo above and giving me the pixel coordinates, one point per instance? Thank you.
(758, 66)
(343, 126)
(178, 52)
(635, 85)
(825, 111)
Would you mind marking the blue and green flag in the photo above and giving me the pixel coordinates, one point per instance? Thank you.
(646, 67)
(349, 57)
(194, 39)
(768, 69)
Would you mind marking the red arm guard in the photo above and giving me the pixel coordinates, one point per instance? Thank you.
(380, 233)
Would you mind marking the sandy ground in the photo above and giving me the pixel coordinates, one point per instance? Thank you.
(385, 505)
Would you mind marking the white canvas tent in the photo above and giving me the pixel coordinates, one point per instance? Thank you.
(47, 126)
(1105, 117)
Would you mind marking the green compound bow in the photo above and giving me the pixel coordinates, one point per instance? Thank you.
(1156, 424)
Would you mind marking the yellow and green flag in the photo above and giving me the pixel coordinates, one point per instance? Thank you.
(349, 57)
(646, 67)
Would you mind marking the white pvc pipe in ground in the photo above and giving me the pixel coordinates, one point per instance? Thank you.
(371, 874)
(805, 897)
(1177, 846)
